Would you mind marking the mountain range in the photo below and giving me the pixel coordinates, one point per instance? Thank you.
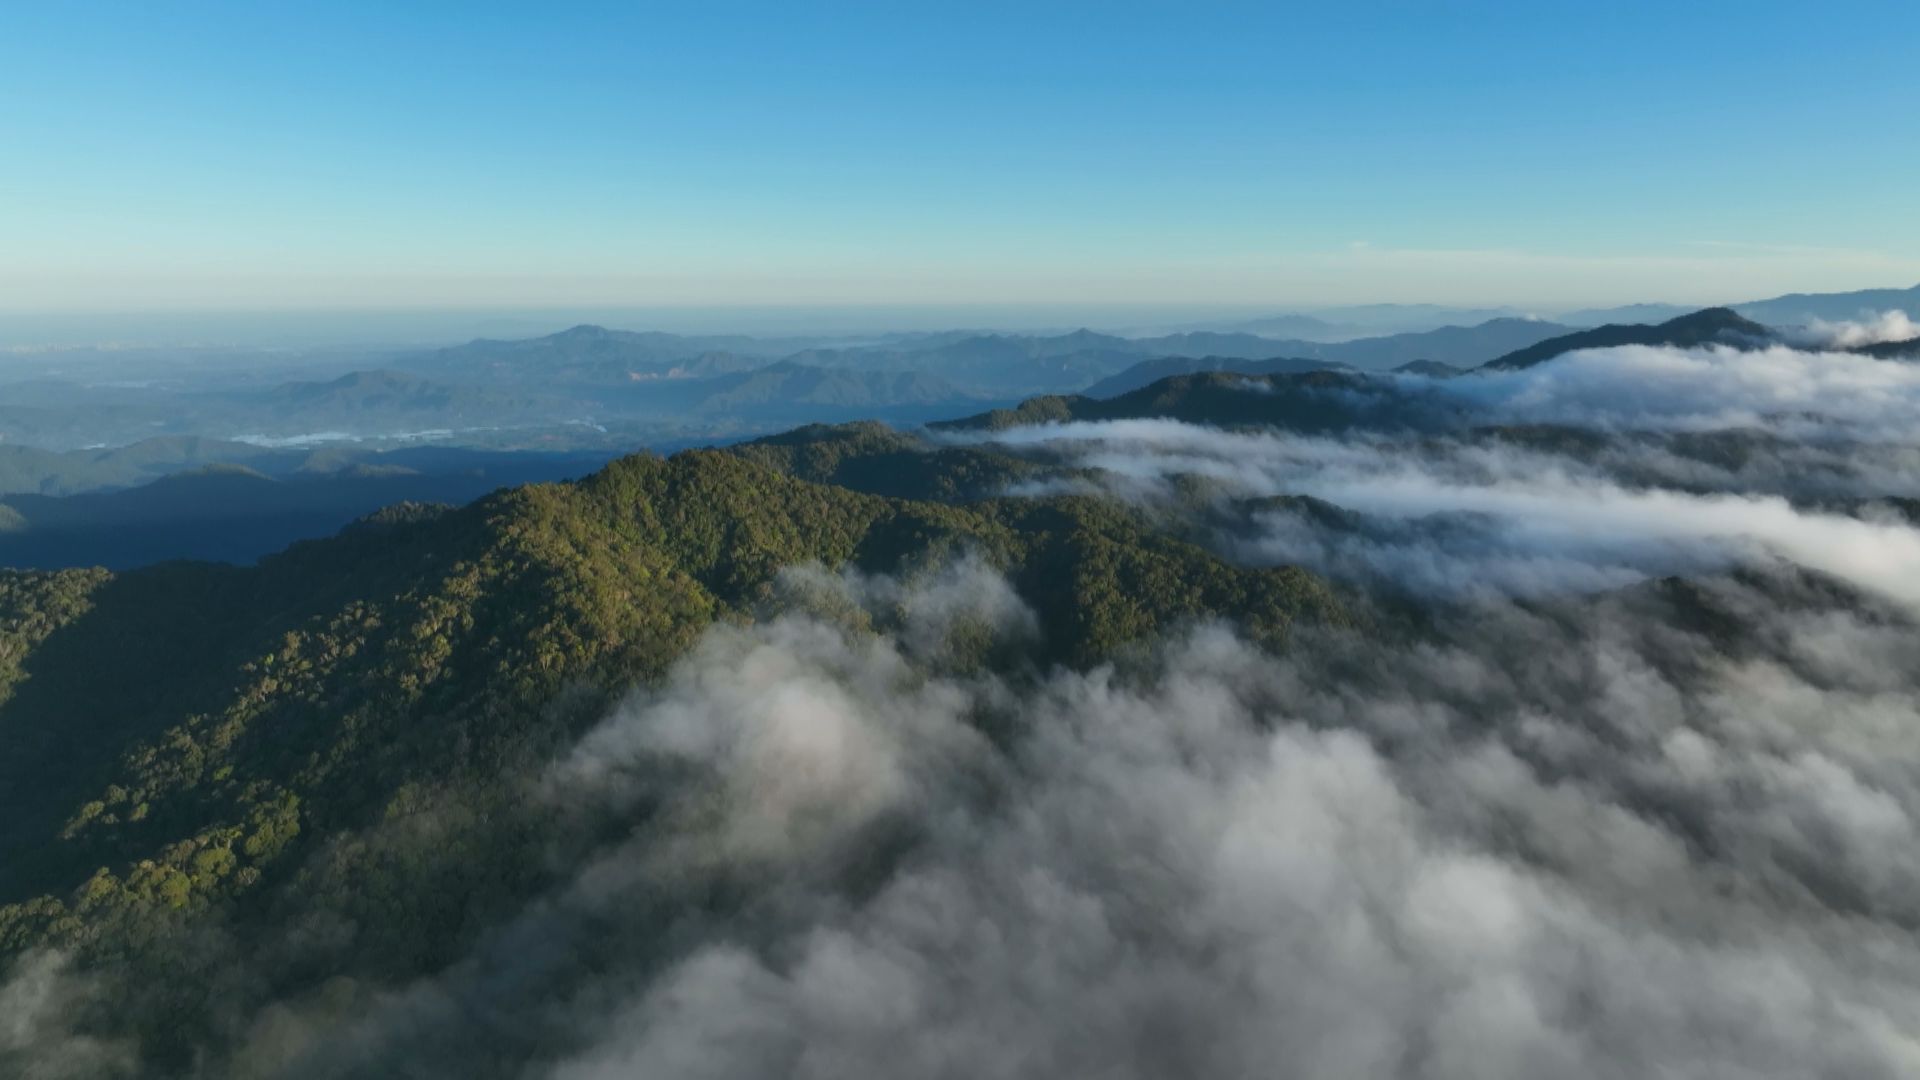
(591, 387)
(1368, 320)
(1800, 309)
(1452, 346)
(269, 812)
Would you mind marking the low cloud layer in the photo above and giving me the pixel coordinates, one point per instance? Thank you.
(1660, 832)
(1494, 516)
(1579, 842)
(1593, 471)
(1794, 391)
(1871, 329)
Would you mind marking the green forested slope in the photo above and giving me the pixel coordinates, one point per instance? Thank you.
(198, 749)
(880, 460)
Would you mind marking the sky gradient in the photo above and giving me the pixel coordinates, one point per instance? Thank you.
(255, 156)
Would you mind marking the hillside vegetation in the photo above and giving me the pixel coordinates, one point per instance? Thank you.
(194, 746)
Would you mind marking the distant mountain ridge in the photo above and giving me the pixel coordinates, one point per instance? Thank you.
(1432, 369)
(977, 365)
(1337, 324)
(1148, 372)
(379, 389)
(644, 346)
(1309, 402)
(1459, 345)
(1791, 309)
(1892, 350)
(233, 513)
(793, 385)
(1799, 309)
(29, 471)
(1350, 321)
(1710, 326)
(1450, 347)
(1625, 313)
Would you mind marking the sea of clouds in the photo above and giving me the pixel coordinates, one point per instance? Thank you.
(1585, 820)
(1580, 841)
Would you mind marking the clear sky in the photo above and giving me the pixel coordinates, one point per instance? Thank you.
(268, 155)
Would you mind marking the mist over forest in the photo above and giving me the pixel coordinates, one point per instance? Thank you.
(1325, 541)
(1542, 709)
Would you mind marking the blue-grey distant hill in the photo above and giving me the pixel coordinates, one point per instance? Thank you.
(672, 371)
(26, 470)
(235, 513)
(1450, 346)
(1625, 313)
(1431, 369)
(1799, 309)
(1793, 309)
(1148, 372)
(1351, 321)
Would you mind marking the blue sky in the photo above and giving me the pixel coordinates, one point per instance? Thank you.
(157, 156)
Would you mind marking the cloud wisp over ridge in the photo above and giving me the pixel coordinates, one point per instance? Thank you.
(1636, 387)
(1593, 471)
(1872, 328)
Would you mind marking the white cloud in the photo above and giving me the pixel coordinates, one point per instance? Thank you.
(1218, 869)
(1486, 516)
(41, 999)
(1590, 846)
(1808, 394)
(1871, 329)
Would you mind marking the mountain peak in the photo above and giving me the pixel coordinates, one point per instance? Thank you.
(1432, 369)
(1708, 326)
(374, 377)
(1716, 320)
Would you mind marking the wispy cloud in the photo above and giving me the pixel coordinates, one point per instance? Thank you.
(1872, 328)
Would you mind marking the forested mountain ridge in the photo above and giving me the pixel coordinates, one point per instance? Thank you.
(1708, 326)
(193, 745)
(1315, 401)
(1148, 372)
